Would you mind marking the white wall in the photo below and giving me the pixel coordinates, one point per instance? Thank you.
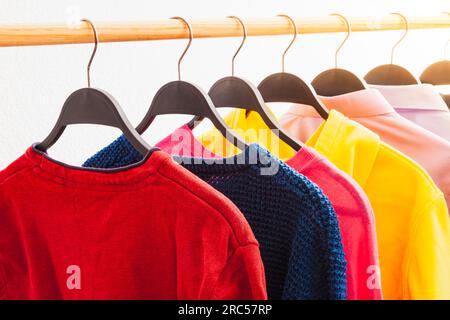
(35, 81)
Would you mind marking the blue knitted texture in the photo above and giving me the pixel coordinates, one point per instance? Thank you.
(292, 219)
(119, 153)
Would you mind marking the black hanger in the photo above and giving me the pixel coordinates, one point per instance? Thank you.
(181, 97)
(236, 92)
(392, 74)
(338, 81)
(93, 106)
(287, 87)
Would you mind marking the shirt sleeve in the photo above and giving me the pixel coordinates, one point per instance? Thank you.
(243, 276)
(428, 274)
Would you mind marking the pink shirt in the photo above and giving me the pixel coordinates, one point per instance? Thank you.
(371, 109)
(356, 221)
(352, 207)
(421, 104)
(183, 143)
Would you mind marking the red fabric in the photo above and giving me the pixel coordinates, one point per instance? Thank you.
(352, 207)
(151, 231)
(356, 222)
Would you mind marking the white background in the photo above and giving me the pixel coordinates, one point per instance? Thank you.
(35, 81)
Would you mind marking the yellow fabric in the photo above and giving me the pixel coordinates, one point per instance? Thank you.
(413, 227)
(252, 129)
(412, 222)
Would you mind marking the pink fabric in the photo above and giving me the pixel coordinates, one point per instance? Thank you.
(421, 104)
(183, 143)
(371, 109)
(356, 221)
(348, 200)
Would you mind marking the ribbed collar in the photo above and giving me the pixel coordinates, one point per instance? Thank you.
(362, 103)
(253, 156)
(416, 96)
(66, 174)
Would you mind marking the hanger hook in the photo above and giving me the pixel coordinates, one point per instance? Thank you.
(191, 36)
(292, 41)
(349, 30)
(244, 29)
(403, 36)
(91, 24)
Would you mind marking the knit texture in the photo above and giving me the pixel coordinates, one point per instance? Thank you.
(292, 219)
(119, 153)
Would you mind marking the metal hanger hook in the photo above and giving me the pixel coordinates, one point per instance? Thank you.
(349, 31)
(191, 36)
(292, 41)
(403, 36)
(244, 29)
(91, 24)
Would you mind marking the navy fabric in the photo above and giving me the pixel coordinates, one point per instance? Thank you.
(119, 153)
(292, 219)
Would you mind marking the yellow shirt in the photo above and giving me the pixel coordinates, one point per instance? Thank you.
(413, 227)
(252, 129)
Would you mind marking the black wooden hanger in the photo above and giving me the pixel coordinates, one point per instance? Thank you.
(287, 87)
(93, 106)
(392, 74)
(336, 81)
(236, 92)
(181, 97)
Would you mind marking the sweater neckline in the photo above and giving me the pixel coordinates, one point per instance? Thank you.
(253, 155)
(64, 173)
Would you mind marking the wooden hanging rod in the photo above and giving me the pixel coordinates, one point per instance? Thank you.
(50, 34)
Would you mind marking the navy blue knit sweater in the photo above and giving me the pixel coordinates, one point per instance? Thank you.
(292, 219)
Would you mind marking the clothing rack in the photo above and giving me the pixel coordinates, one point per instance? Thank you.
(52, 34)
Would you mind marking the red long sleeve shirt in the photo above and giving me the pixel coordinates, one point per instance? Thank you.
(149, 231)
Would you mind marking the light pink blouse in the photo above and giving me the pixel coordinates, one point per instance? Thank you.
(371, 109)
(421, 104)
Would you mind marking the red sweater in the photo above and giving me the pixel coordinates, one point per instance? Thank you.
(149, 231)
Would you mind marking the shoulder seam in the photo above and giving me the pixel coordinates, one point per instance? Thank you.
(208, 203)
(12, 174)
(213, 291)
(417, 167)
